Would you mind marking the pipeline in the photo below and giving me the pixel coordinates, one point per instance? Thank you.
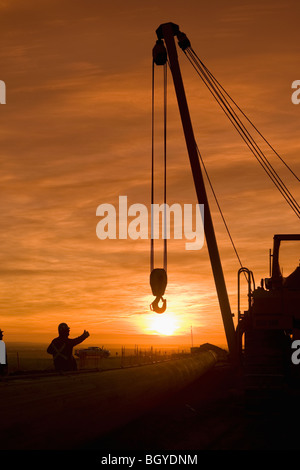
(62, 412)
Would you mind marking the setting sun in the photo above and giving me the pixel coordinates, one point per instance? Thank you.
(164, 324)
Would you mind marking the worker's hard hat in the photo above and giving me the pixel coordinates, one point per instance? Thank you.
(63, 327)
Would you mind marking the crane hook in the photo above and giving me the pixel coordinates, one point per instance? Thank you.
(156, 308)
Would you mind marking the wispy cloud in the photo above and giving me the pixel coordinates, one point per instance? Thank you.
(76, 132)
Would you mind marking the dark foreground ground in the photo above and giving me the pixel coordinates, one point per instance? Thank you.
(211, 414)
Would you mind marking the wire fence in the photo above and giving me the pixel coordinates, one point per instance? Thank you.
(31, 360)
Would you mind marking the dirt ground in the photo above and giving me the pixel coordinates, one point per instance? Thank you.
(211, 414)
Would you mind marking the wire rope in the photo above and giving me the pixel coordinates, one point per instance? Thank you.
(259, 155)
(153, 166)
(246, 117)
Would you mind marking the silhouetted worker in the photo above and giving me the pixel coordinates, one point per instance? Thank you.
(62, 348)
(3, 355)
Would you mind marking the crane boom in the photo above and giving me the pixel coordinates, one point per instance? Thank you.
(167, 31)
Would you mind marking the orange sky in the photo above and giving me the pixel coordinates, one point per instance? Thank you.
(76, 133)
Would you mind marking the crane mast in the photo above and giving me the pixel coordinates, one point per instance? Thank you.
(166, 32)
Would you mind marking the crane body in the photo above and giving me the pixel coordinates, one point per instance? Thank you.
(261, 341)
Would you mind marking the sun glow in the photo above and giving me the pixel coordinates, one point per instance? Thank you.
(163, 324)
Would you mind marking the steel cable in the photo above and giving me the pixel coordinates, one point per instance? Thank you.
(248, 139)
(165, 165)
(249, 120)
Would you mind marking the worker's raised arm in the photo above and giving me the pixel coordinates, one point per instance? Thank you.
(81, 338)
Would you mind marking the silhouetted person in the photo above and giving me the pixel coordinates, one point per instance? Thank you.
(62, 348)
(3, 355)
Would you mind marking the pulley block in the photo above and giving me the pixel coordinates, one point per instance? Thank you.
(159, 53)
(158, 282)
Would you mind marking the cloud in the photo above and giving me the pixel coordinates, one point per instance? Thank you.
(76, 132)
